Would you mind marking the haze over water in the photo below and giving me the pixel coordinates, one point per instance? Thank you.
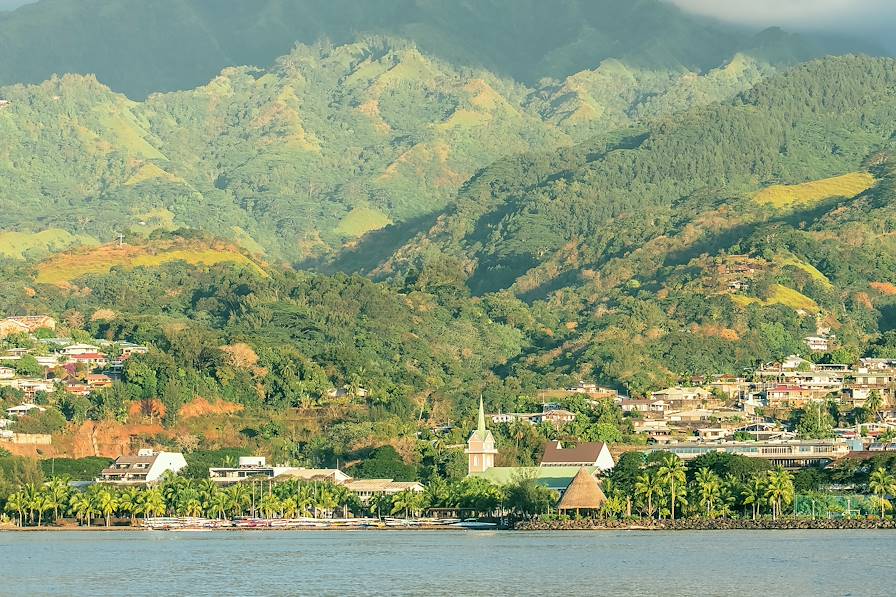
(449, 563)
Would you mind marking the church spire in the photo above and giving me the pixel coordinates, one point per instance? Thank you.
(481, 428)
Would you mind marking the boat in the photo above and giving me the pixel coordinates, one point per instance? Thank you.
(474, 525)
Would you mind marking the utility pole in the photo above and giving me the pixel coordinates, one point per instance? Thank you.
(120, 239)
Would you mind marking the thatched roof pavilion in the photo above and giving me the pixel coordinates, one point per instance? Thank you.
(583, 493)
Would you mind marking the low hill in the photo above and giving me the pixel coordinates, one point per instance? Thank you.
(63, 268)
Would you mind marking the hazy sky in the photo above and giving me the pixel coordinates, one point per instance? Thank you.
(842, 16)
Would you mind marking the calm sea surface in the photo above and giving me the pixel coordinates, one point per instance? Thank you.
(449, 563)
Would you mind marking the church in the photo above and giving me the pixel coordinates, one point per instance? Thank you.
(553, 473)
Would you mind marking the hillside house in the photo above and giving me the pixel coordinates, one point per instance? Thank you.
(818, 343)
(683, 397)
(7, 373)
(78, 349)
(23, 410)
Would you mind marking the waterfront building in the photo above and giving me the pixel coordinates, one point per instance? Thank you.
(256, 467)
(587, 454)
(146, 467)
(789, 454)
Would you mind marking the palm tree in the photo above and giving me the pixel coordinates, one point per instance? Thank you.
(80, 506)
(671, 472)
(304, 499)
(409, 502)
(107, 504)
(130, 501)
(40, 504)
(30, 492)
(709, 487)
(218, 504)
(270, 505)
(379, 504)
(16, 503)
(647, 486)
(59, 492)
(779, 490)
(753, 493)
(192, 507)
(882, 484)
(239, 497)
(153, 503)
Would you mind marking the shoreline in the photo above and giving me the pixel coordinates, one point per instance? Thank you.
(525, 526)
(730, 524)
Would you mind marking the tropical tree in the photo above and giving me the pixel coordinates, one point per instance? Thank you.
(882, 484)
(779, 490)
(154, 503)
(239, 498)
(218, 504)
(647, 487)
(672, 474)
(80, 505)
(58, 490)
(131, 501)
(709, 488)
(409, 502)
(16, 503)
(378, 504)
(107, 504)
(270, 505)
(753, 493)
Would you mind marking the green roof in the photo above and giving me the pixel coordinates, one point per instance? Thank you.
(552, 477)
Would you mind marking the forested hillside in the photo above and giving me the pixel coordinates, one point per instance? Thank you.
(169, 45)
(299, 160)
(634, 237)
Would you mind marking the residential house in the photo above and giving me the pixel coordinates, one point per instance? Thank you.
(645, 405)
(24, 410)
(93, 360)
(98, 381)
(146, 467)
(682, 397)
(818, 343)
(76, 349)
(588, 454)
(7, 373)
(784, 396)
(557, 417)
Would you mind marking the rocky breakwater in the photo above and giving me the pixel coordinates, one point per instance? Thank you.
(704, 524)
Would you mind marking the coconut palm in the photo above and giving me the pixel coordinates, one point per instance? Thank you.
(709, 488)
(218, 504)
(192, 507)
(30, 492)
(304, 499)
(153, 502)
(671, 473)
(379, 504)
(753, 493)
(239, 498)
(107, 504)
(882, 484)
(16, 503)
(131, 501)
(409, 502)
(80, 505)
(648, 486)
(58, 491)
(779, 490)
(270, 505)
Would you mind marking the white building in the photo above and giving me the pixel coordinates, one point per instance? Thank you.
(76, 349)
(24, 410)
(146, 467)
(253, 467)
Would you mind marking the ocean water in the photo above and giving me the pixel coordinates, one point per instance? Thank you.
(766, 563)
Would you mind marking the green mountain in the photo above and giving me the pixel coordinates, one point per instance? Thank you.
(169, 45)
(302, 159)
(702, 243)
